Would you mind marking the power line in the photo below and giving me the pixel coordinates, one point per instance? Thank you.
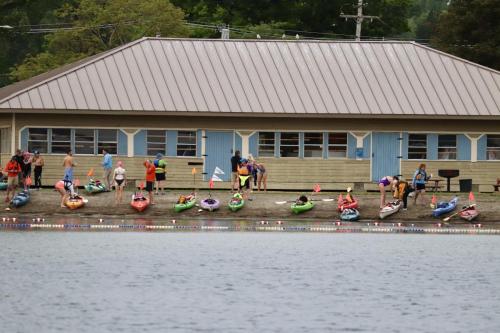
(359, 18)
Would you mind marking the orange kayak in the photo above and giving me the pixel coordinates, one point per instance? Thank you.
(139, 203)
(75, 202)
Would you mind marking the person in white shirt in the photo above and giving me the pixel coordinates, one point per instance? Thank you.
(120, 179)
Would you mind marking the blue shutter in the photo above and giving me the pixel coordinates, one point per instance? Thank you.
(277, 138)
(367, 146)
(171, 143)
(122, 143)
(253, 143)
(482, 147)
(432, 146)
(351, 146)
(198, 143)
(140, 143)
(301, 144)
(405, 145)
(24, 139)
(463, 148)
(325, 145)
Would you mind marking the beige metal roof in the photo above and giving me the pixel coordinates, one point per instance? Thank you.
(266, 76)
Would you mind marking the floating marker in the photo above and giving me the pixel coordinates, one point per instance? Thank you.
(279, 222)
(338, 223)
(173, 221)
(376, 224)
(399, 224)
(14, 219)
(439, 225)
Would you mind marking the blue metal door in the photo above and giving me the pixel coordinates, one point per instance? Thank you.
(219, 149)
(385, 152)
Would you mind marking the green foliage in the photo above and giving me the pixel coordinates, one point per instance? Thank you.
(102, 25)
(471, 29)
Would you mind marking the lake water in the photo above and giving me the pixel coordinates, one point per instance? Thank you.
(248, 282)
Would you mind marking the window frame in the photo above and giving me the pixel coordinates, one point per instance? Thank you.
(320, 145)
(187, 144)
(418, 147)
(259, 144)
(492, 149)
(51, 142)
(290, 145)
(48, 136)
(74, 141)
(346, 145)
(447, 147)
(98, 141)
(164, 143)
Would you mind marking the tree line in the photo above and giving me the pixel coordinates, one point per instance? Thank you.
(41, 35)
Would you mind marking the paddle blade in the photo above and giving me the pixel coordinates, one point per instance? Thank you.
(90, 173)
(317, 188)
(446, 219)
(280, 202)
(471, 197)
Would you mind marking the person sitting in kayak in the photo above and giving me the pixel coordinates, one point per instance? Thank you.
(182, 199)
(302, 200)
(236, 199)
(383, 183)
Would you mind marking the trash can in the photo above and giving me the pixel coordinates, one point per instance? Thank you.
(465, 185)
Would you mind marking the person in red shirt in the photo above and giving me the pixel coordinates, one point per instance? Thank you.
(150, 179)
(13, 169)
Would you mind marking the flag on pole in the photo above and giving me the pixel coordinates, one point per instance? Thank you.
(141, 186)
(471, 197)
(341, 198)
(433, 201)
(218, 171)
(91, 172)
(216, 178)
(211, 183)
(317, 188)
(193, 171)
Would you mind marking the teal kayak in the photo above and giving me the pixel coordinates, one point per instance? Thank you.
(3, 185)
(297, 209)
(93, 187)
(178, 207)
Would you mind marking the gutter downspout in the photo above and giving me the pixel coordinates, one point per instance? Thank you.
(13, 135)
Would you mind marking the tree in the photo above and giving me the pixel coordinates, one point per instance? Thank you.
(99, 26)
(471, 29)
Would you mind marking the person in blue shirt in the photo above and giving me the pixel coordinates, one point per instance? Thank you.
(107, 164)
(418, 183)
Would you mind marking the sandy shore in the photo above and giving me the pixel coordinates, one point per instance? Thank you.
(46, 203)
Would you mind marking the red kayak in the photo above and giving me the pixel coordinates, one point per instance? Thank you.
(139, 202)
(469, 214)
(346, 204)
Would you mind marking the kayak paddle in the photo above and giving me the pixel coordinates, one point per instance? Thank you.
(446, 219)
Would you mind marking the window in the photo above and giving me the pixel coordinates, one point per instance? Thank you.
(107, 139)
(38, 139)
(156, 142)
(84, 141)
(337, 145)
(186, 143)
(61, 140)
(417, 146)
(493, 147)
(313, 144)
(447, 147)
(266, 144)
(289, 145)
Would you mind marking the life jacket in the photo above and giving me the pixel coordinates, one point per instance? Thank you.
(400, 190)
(182, 199)
(156, 162)
(243, 171)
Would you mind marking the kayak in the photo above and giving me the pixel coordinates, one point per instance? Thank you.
(469, 213)
(236, 203)
(210, 204)
(346, 204)
(139, 202)
(3, 186)
(95, 187)
(75, 202)
(179, 207)
(445, 207)
(20, 199)
(297, 209)
(390, 208)
(350, 214)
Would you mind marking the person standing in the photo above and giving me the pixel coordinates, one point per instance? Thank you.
(120, 178)
(235, 164)
(68, 164)
(107, 164)
(150, 179)
(261, 177)
(26, 168)
(38, 162)
(19, 159)
(160, 173)
(13, 170)
(419, 179)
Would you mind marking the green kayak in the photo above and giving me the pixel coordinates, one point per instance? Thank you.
(236, 202)
(180, 207)
(93, 187)
(297, 209)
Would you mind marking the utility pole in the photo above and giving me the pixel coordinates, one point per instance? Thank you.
(359, 18)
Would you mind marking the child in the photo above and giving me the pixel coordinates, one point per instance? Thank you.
(150, 179)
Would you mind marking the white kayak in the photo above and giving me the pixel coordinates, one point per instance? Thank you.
(391, 208)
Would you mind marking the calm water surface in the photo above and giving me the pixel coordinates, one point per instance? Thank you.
(248, 282)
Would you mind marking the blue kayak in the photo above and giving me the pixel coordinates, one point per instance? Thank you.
(20, 199)
(349, 214)
(445, 207)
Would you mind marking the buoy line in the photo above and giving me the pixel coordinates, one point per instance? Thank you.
(334, 228)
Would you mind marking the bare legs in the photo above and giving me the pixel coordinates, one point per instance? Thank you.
(381, 187)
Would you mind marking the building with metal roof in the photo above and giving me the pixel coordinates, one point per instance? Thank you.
(332, 112)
